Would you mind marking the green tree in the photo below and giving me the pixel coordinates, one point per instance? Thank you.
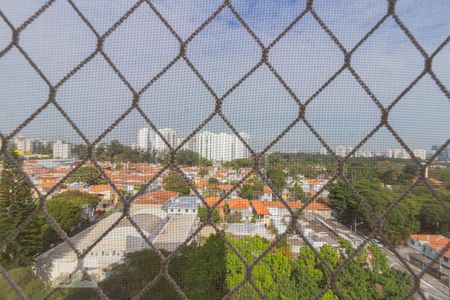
(16, 204)
(278, 178)
(88, 175)
(240, 163)
(33, 287)
(297, 191)
(251, 190)
(203, 214)
(176, 183)
(70, 210)
(213, 181)
(205, 272)
(400, 222)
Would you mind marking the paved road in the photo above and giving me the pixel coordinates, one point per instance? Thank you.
(431, 287)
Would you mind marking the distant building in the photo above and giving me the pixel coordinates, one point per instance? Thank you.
(221, 146)
(323, 151)
(341, 151)
(143, 137)
(24, 145)
(61, 150)
(398, 153)
(420, 154)
(158, 143)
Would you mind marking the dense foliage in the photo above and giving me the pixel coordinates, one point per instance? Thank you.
(417, 212)
(31, 285)
(213, 269)
(118, 152)
(16, 204)
(203, 214)
(71, 209)
(176, 183)
(88, 175)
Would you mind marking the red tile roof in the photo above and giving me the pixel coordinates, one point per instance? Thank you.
(201, 184)
(47, 185)
(156, 197)
(439, 245)
(297, 205)
(317, 206)
(426, 237)
(435, 181)
(238, 203)
(213, 200)
(101, 188)
(260, 208)
(225, 187)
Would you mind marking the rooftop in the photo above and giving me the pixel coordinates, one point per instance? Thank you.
(156, 197)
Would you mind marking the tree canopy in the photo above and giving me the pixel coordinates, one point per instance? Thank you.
(88, 175)
(400, 222)
(176, 183)
(211, 270)
(16, 204)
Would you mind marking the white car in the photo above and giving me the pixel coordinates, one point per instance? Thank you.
(376, 243)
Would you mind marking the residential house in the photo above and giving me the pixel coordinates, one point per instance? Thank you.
(155, 198)
(182, 205)
(242, 207)
(267, 194)
(108, 196)
(418, 241)
(220, 207)
(261, 212)
(430, 245)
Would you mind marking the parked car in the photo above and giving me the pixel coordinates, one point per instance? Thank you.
(376, 243)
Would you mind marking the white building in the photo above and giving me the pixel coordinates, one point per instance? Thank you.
(61, 150)
(23, 144)
(143, 137)
(169, 135)
(341, 151)
(398, 153)
(323, 151)
(220, 146)
(165, 232)
(420, 153)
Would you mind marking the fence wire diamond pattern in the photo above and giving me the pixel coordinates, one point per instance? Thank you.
(257, 157)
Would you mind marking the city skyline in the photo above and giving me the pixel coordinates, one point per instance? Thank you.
(215, 146)
(343, 113)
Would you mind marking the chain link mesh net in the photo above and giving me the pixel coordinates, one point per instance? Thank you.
(300, 117)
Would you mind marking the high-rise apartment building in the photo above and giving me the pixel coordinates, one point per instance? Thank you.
(61, 150)
(169, 135)
(420, 154)
(220, 146)
(143, 139)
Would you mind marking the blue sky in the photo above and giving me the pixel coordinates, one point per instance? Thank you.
(223, 52)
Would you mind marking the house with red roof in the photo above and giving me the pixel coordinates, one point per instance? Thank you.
(220, 206)
(261, 212)
(242, 207)
(158, 198)
(430, 245)
(108, 196)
